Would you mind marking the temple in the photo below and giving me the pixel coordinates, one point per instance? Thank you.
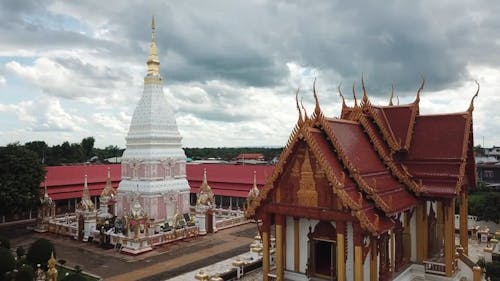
(154, 164)
(367, 195)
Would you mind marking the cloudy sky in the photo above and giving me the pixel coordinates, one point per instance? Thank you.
(72, 69)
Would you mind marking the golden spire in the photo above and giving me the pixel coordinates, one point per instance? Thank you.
(153, 61)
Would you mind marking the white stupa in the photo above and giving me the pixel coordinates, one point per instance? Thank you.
(154, 163)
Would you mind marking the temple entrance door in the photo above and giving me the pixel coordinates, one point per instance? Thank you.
(324, 259)
(209, 222)
(323, 250)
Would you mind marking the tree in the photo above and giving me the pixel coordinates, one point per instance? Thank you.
(25, 273)
(20, 252)
(20, 176)
(87, 145)
(7, 262)
(492, 271)
(40, 251)
(4, 242)
(39, 147)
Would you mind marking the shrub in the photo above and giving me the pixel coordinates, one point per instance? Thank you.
(40, 251)
(73, 277)
(7, 261)
(25, 273)
(493, 271)
(4, 242)
(20, 252)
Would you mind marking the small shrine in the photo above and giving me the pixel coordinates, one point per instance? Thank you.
(204, 207)
(86, 215)
(137, 226)
(107, 201)
(254, 191)
(46, 211)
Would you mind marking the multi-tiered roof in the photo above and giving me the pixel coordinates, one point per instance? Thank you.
(380, 160)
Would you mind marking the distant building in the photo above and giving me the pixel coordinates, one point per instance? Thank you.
(251, 159)
(492, 151)
(488, 171)
(250, 156)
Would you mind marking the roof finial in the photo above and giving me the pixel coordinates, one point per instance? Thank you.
(317, 109)
(339, 88)
(153, 61)
(417, 99)
(354, 94)
(298, 107)
(471, 106)
(254, 178)
(365, 96)
(392, 95)
(305, 112)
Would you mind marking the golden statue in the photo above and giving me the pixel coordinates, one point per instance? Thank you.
(52, 272)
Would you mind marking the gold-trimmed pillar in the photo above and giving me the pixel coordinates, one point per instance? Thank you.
(421, 220)
(449, 235)
(464, 236)
(265, 246)
(373, 260)
(340, 251)
(296, 244)
(407, 237)
(358, 253)
(279, 247)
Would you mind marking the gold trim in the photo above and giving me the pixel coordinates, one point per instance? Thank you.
(401, 173)
(352, 169)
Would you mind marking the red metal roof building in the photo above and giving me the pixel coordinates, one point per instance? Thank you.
(66, 182)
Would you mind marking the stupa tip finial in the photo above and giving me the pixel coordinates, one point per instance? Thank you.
(153, 61)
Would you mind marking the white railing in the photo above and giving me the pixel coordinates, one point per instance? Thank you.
(439, 268)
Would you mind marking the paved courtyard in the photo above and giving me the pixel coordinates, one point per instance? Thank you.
(160, 264)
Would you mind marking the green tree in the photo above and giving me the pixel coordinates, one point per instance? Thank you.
(20, 176)
(40, 251)
(25, 273)
(4, 242)
(7, 262)
(485, 205)
(492, 271)
(39, 147)
(87, 145)
(20, 252)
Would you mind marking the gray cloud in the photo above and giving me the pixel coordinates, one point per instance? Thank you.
(213, 53)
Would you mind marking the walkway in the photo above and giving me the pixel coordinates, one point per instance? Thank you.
(160, 264)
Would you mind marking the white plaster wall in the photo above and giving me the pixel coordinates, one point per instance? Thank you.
(304, 230)
(413, 233)
(350, 252)
(366, 268)
(289, 243)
